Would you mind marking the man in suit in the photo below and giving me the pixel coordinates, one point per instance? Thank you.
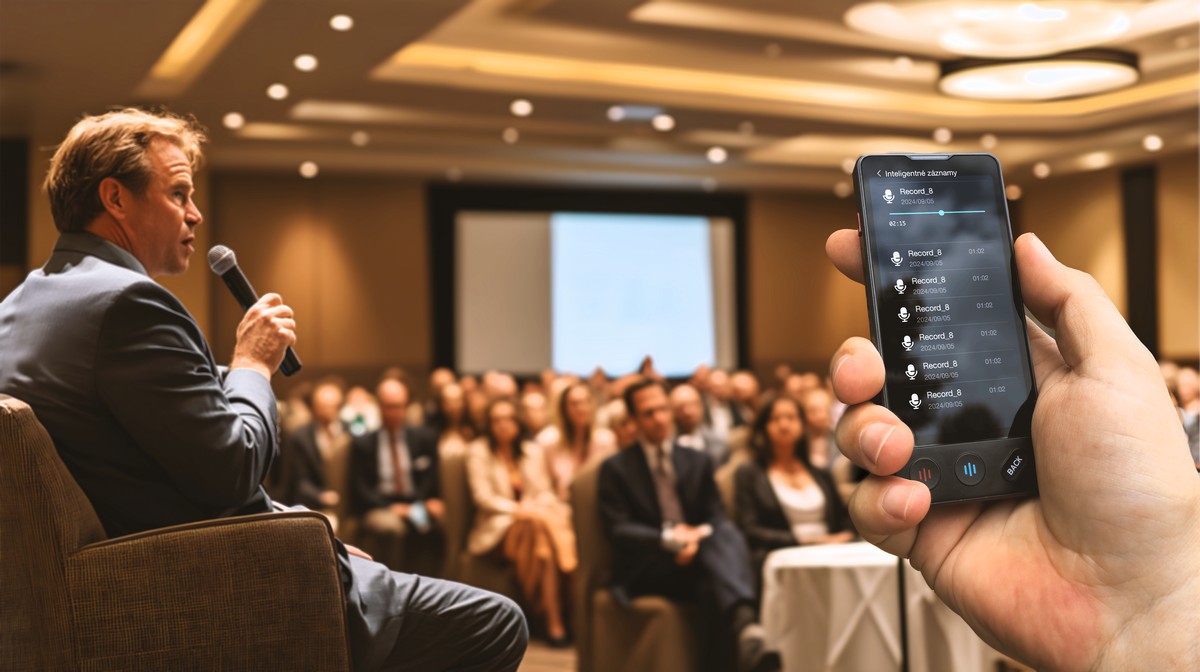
(315, 456)
(157, 434)
(394, 487)
(691, 432)
(660, 507)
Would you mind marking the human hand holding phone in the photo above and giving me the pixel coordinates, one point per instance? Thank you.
(1102, 571)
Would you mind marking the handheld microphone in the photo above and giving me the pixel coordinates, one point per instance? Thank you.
(223, 262)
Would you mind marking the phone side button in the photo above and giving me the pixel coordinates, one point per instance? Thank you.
(1015, 464)
(926, 471)
(969, 469)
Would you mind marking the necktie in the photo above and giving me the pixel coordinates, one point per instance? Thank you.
(400, 487)
(664, 484)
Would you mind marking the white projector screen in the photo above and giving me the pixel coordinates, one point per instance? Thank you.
(573, 291)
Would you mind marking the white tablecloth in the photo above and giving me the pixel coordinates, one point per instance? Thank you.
(836, 609)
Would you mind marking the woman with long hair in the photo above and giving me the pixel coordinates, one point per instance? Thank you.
(574, 441)
(518, 517)
(781, 500)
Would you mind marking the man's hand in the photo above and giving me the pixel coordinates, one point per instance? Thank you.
(1102, 572)
(436, 508)
(354, 550)
(264, 334)
(688, 553)
(401, 509)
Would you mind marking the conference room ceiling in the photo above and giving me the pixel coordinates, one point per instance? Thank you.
(786, 90)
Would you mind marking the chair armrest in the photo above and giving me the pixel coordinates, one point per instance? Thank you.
(260, 592)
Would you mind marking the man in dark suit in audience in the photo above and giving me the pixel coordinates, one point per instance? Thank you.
(315, 457)
(660, 507)
(394, 487)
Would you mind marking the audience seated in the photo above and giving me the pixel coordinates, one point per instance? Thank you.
(450, 420)
(394, 488)
(743, 402)
(1187, 396)
(533, 412)
(690, 430)
(717, 413)
(619, 421)
(660, 509)
(518, 517)
(574, 441)
(315, 457)
(781, 500)
(360, 413)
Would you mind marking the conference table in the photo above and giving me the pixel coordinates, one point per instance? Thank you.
(836, 609)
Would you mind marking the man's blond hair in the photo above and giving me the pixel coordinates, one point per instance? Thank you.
(111, 145)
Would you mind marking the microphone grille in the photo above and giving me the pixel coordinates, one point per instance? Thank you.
(221, 259)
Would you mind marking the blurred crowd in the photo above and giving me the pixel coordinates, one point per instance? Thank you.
(477, 470)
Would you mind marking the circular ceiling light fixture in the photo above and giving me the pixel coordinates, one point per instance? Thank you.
(1069, 75)
(233, 121)
(995, 28)
(663, 122)
(521, 107)
(1152, 142)
(305, 62)
(341, 22)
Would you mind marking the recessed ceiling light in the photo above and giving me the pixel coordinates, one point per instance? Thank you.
(942, 135)
(746, 128)
(511, 135)
(709, 184)
(842, 189)
(995, 28)
(1152, 142)
(1096, 160)
(847, 166)
(305, 62)
(988, 141)
(233, 121)
(360, 138)
(341, 22)
(277, 91)
(1012, 192)
(615, 113)
(663, 122)
(716, 154)
(521, 107)
(1041, 170)
(1060, 76)
(309, 170)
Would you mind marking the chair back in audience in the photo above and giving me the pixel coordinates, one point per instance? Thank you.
(461, 565)
(255, 592)
(653, 634)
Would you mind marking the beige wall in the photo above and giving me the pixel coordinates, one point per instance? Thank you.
(800, 307)
(350, 255)
(1179, 258)
(1079, 219)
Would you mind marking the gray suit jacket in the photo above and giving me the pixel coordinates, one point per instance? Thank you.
(122, 378)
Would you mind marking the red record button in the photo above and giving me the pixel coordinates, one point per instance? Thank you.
(926, 471)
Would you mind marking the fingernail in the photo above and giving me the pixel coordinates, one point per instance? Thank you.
(872, 440)
(837, 365)
(897, 500)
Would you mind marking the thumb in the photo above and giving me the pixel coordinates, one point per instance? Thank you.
(1089, 329)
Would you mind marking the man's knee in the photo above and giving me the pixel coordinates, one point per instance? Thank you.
(510, 632)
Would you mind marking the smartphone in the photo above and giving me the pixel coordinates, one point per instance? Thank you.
(947, 317)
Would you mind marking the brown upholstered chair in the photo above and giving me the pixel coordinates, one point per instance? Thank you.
(461, 565)
(250, 593)
(654, 634)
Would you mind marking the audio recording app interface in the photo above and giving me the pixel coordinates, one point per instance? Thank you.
(947, 316)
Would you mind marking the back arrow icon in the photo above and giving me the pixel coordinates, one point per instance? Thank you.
(879, 173)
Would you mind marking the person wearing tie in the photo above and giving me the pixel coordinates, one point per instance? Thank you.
(394, 488)
(660, 508)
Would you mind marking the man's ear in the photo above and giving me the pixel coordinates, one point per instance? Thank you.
(113, 196)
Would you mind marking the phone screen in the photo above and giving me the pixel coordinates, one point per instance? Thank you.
(946, 307)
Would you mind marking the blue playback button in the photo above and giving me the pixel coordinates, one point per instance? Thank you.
(969, 469)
